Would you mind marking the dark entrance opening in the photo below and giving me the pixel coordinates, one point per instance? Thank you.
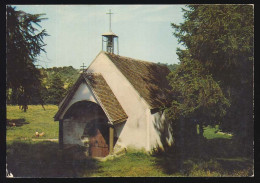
(96, 131)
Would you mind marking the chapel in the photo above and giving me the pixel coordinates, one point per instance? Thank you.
(116, 103)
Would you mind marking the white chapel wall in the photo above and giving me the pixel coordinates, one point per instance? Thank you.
(73, 128)
(83, 93)
(159, 131)
(134, 131)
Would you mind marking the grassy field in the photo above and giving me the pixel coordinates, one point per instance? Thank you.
(29, 157)
(215, 132)
(27, 123)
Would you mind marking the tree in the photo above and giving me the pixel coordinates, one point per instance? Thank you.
(69, 87)
(219, 39)
(56, 91)
(172, 67)
(197, 101)
(23, 44)
(196, 94)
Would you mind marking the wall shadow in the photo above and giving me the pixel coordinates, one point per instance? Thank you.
(163, 129)
(45, 159)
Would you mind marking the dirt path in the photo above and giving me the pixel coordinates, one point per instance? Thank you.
(52, 140)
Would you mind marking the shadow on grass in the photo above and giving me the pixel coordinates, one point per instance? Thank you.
(45, 159)
(220, 156)
(16, 122)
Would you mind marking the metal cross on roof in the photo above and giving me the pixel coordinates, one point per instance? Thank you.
(83, 67)
(110, 20)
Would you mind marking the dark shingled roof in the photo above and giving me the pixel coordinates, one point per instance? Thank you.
(106, 97)
(103, 94)
(149, 79)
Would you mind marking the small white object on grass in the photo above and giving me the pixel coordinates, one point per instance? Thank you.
(42, 134)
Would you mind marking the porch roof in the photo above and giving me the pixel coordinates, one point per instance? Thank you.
(102, 92)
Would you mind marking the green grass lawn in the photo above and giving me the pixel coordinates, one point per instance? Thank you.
(29, 158)
(36, 119)
(132, 164)
(215, 132)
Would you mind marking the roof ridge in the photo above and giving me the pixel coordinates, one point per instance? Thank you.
(134, 59)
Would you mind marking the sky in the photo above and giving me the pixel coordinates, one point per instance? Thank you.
(75, 31)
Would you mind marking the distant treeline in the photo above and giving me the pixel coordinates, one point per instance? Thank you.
(55, 83)
(172, 67)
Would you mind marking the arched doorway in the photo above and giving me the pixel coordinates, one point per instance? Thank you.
(95, 136)
(86, 124)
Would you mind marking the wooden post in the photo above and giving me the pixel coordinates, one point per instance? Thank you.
(111, 139)
(61, 134)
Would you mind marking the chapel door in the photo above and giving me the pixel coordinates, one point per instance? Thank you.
(98, 145)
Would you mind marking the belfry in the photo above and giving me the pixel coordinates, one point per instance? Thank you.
(109, 39)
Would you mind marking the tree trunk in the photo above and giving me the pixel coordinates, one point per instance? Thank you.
(42, 103)
(25, 107)
(200, 139)
(201, 130)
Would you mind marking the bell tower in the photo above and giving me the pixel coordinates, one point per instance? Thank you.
(109, 38)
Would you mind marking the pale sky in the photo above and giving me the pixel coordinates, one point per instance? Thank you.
(75, 31)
